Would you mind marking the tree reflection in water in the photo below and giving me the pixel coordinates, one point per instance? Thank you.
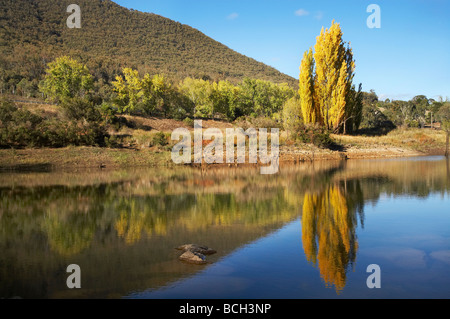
(329, 221)
(135, 219)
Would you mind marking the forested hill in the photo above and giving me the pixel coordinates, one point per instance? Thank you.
(34, 32)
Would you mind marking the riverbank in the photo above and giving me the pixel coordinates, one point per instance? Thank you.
(145, 142)
(80, 157)
(399, 143)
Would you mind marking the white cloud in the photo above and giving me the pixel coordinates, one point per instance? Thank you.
(301, 12)
(232, 16)
(443, 255)
(318, 15)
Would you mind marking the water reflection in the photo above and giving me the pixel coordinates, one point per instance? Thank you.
(125, 224)
(329, 223)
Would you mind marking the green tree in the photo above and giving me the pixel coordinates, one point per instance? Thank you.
(27, 88)
(369, 98)
(162, 91)
(129, 90)
(280, 94)
(199, 92)
(85, 122)
(398, 112)
(292, 115)
(147, 94)
(434, 109)
(66, 78)
(248, 96)
(444, 116)
(421, 108)
(225, 98)
(353, 110)
(263, 98)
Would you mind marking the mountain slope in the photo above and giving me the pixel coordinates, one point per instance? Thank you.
(112, 37)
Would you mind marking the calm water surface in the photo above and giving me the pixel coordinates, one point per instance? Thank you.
(309, 231)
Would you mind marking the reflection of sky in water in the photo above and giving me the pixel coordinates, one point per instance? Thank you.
(408, 238)
(407, 159)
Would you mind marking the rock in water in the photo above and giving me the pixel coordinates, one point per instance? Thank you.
(194, 253)
(197, 248)
(193, 257)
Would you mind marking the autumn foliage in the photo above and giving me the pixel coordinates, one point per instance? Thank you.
(329, 234)
(326, 89)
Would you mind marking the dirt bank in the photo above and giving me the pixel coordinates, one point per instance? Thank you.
(96, 157)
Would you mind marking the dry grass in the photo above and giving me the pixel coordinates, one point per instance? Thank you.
(81, 157)
(421, 140)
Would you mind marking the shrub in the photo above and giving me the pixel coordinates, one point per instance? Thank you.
(19, 127)
(111, 141)
(264, 122)
(178, 113)
(159, 139)
(22, 128)
(81, 109)
(189, 122)
(56, 133)
(314, 134)
(108, 113)
(291, 114)
(86, 122)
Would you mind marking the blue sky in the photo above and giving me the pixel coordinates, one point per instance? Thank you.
(409, 55)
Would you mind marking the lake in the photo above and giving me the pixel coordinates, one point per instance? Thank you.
(310, 231)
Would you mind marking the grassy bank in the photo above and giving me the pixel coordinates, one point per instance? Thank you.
(80, 157)
(398, 143)
(145, 141)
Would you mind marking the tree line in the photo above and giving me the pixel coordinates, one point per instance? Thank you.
(325, 102)
(198, 97)
(89, 106)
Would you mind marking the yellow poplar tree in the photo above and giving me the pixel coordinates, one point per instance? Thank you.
(325, 84)
(306, 88)
(339, 99)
